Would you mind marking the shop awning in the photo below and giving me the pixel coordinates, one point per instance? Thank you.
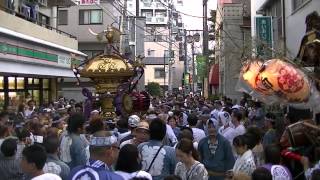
(40, 41)
(214, 75)
(14, 67)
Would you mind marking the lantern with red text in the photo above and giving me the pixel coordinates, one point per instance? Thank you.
(250, 72)
(285, 80)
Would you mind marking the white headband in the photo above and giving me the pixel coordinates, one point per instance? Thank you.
(102, 141)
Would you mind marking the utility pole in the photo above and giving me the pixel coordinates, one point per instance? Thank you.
(194, 81)
(164, 78)
(186, 85)
(124, 42)
(137, 8)
(205, 47)
(191, 39)
(170, 47)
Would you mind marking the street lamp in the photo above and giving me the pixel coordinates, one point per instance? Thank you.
(191, 39)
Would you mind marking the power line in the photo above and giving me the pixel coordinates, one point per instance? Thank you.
(107, 12)
(181, 12)
(122, 6)
(116, 21)
(140, 26)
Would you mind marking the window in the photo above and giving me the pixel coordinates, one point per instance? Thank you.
(1, 100)
(20, 82)
(12, 82)
(147, 13)
(298, 3)
(45, 83)
(161, 13)
(63, 17)
(159, 73)
(1, 82)
(151, 52)
(44, 20)
(155, 38)
(93, 16)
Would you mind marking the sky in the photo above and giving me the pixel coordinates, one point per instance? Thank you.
(194, 7)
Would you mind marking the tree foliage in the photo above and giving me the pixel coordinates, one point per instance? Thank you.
(154, 89)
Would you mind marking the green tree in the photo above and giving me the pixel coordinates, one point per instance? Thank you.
(154, 89)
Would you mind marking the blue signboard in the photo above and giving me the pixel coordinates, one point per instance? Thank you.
(264, 36)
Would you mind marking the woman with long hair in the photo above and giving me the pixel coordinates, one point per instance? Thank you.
(74, 146)
(189, 167)
(129, 164)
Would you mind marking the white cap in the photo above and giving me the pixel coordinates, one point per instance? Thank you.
(133, 120)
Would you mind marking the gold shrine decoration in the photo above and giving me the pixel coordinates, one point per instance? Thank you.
(107, 65)
(107, 72)
(112, 76)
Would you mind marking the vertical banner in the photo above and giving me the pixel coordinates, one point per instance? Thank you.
(264, 36)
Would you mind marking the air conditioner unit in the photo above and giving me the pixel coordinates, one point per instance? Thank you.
(175, 30)
(160, 19)
(148, 19)
(147, 4)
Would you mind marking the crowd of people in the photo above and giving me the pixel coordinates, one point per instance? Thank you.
(178, 138)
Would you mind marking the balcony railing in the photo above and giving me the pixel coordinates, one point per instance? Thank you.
(157, 20)
(22, 16)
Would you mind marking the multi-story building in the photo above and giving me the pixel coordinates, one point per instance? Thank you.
(232, 38)
(288, 22)
(155, 11)
(157, 40)
(81, 19)
(34, 54)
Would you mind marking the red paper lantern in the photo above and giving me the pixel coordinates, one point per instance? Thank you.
(285, 80)
(250, 72)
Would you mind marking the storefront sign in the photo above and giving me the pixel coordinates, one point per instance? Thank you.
(64, 61)
(264, 36)
(26, 52)
(89, 2)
